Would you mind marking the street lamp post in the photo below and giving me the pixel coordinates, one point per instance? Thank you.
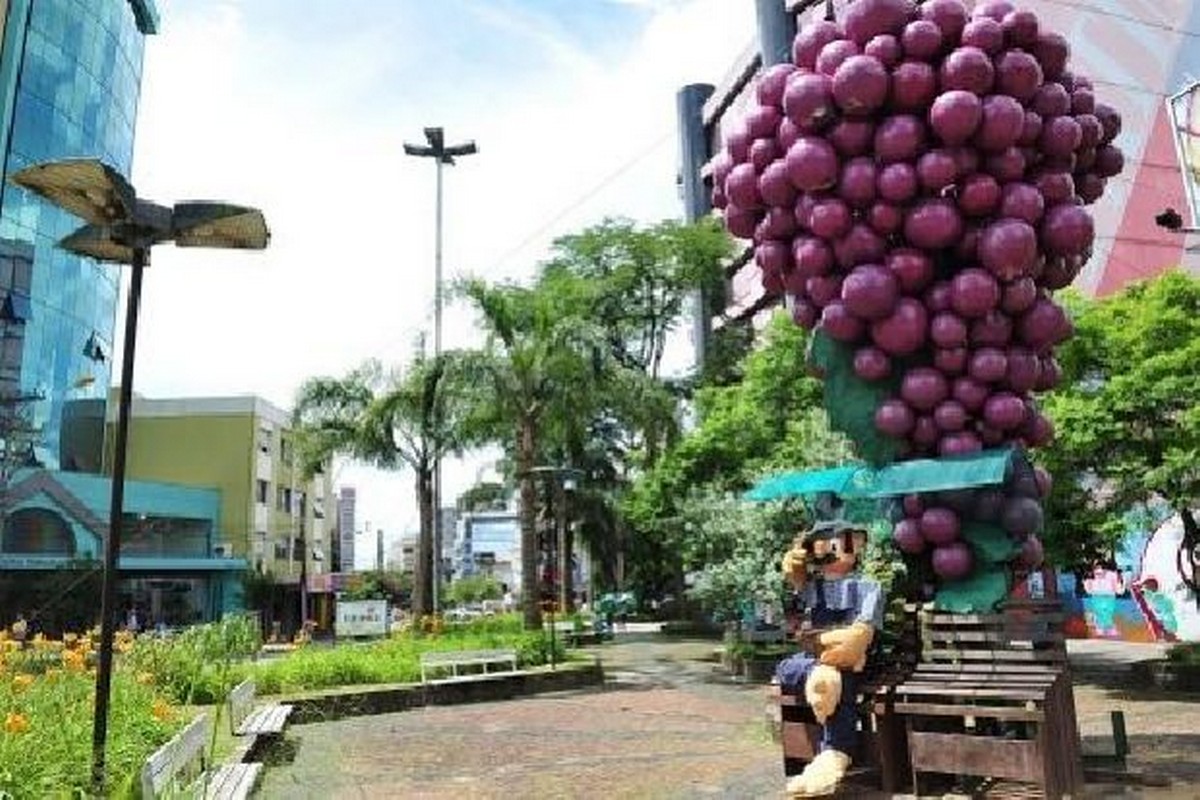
(442, 155)
(122, 228)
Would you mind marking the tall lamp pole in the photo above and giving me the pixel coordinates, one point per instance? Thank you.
(442, 155)
(122, 228)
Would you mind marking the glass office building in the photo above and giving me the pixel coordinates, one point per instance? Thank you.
(70, 77)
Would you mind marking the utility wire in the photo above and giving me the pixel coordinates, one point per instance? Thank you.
(604, 183)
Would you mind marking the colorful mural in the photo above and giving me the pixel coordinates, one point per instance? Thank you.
(1140, 595)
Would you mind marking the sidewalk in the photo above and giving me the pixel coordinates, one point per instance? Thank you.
(668, 724)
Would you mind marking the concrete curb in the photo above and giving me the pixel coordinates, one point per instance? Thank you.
(476, 689)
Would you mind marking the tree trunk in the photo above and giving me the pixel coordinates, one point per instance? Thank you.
(530, 596)
(422, 597)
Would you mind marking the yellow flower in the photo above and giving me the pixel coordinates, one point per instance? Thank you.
(16, 723)
(22, 681)
(161, 710)
(52, 673)
(73, 660)
(70, 638)
(145, 678)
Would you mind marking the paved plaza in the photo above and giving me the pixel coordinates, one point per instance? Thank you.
(668, 724)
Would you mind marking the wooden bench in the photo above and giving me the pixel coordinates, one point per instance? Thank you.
(438, 661)
(179, 768)
(246, 720)
(881, 746)
(991, 697)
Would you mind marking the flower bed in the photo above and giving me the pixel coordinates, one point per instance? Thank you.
(47, 690)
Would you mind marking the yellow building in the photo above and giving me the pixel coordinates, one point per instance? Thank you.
(241, 446)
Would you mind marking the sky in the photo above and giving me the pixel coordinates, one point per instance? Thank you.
(301, 109)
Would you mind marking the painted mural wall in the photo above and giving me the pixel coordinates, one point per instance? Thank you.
(1139, 596)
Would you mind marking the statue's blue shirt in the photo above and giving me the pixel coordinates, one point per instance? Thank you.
(841, 601)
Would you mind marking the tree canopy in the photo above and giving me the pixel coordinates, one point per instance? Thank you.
(1127, 414)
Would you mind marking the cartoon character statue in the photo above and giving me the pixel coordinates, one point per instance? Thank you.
(841, 611)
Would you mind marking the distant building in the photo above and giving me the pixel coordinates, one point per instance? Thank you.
(270, 515)
(407, 546)
(347, 496)
(489, 543)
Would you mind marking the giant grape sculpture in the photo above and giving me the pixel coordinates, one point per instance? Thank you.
(915, 184)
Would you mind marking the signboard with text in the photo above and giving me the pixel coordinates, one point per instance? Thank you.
(361, 618)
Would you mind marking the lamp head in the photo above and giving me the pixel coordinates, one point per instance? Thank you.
(85, 187)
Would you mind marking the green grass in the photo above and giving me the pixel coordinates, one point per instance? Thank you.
(395, 660)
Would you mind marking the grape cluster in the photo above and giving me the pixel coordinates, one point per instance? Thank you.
(915, 183)
(932, 524)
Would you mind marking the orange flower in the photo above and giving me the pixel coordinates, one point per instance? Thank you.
(161, 710)
(145, 678)
(22, 681)
(16, 723)
(73, 660)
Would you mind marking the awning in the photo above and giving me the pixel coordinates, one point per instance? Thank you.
(838, 480)
(985, 468)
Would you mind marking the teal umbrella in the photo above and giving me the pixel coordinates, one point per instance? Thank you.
(837, 480)
(985, 468)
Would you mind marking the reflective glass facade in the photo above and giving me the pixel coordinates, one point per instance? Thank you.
(70, 74)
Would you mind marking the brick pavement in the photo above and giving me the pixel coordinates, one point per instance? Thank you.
(669, 724)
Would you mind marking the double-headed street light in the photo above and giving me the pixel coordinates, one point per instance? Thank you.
(121, 228)
(442, 155)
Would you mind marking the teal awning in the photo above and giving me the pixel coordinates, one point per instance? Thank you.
(985, 468)
(837, 480)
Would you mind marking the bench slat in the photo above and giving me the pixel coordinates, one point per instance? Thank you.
(1048, 656)
(985, 678)
(233, 781)
(1016, 694)
(956, 710)
(975, 755)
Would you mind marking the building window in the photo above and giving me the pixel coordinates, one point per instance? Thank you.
(264, 441)
(301, 506)
(281, 551)
(283, 499)
(262, 490)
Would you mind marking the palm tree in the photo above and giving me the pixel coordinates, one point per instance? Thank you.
(390, 420)
(541, 362)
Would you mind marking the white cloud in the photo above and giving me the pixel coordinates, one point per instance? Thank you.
(311, 137)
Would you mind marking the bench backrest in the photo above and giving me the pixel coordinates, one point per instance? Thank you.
(1020, 633)
(179, 762)
(464, 656)
(241, 702)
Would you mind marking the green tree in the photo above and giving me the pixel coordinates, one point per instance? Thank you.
(640, 279)
(539, 362)
(1127, 415)
(473, 589)
(391, 420)
(733, 550)
(771, 420)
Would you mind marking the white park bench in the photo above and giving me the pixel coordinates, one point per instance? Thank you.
(179, 768)
(489, 661)
(246, 720)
